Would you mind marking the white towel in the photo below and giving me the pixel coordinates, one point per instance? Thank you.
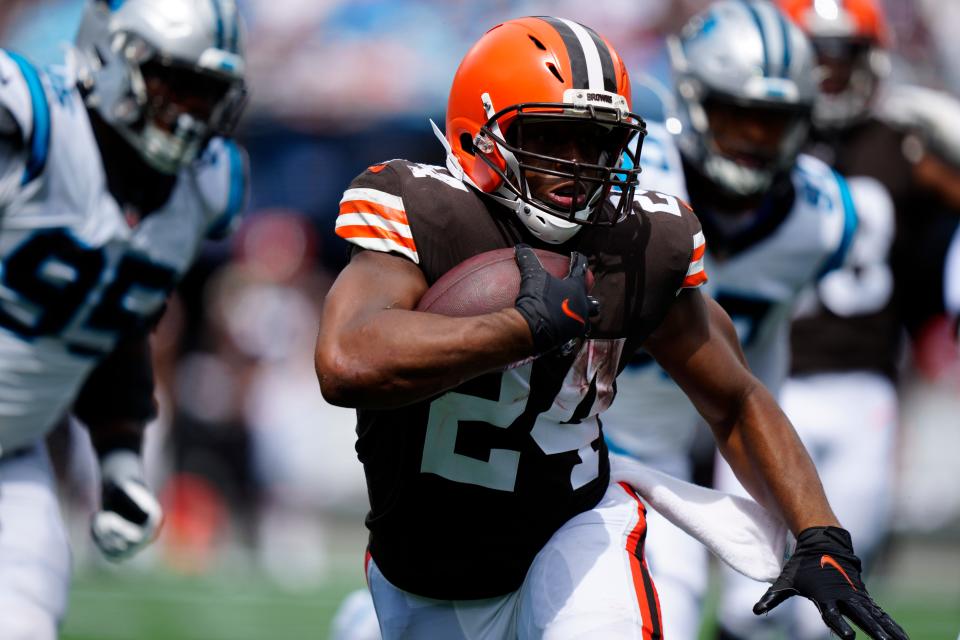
(737, 530)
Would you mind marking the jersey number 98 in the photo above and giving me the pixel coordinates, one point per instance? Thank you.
(53, 278)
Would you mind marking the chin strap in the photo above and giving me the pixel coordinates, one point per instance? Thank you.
(453, 164)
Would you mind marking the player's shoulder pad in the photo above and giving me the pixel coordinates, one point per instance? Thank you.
(676, 225)
(928, 113)
(828, 194)
(24, 98)
(222, 176)
(384, 205)
(815, 171)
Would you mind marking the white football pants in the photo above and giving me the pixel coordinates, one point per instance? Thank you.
(589, 582)
(34, 552)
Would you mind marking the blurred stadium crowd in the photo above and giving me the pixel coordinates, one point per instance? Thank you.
(248, 458)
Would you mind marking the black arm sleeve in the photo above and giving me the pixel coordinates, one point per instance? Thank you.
(120, 388)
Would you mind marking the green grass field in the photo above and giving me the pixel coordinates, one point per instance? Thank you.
(919, 585)
(165, 607)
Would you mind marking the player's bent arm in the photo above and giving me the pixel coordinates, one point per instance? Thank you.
(374, 351)
(116, 402)
(697, 345)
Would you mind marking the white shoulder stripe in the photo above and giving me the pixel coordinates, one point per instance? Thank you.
(698, 240)
(594, 66)
(373, 195)
(695, 267)
(368, 219)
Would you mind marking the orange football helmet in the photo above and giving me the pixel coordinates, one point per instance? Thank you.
(850, 37)
(535, 75)
(853, 19)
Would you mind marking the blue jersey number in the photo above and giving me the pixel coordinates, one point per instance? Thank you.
(54, 275)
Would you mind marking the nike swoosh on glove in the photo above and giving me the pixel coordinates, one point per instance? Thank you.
(130, 516)
(557, 310)
(824, 569)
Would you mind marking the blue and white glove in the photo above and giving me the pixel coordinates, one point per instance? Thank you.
(129, 516)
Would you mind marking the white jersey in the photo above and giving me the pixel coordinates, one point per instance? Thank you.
(74, 275)
(757, 285)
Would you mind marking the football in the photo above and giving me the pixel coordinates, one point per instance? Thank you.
(486, 282)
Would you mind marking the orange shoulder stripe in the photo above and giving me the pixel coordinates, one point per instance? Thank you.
(694, 279)
(698, 253)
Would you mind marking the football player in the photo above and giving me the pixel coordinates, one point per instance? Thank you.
(774, 220)
(113, 170)
(903, 136)
(493, 512)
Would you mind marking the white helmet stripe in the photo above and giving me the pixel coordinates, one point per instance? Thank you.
(591, 53)
(773, 31)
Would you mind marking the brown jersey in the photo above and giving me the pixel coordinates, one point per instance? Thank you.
(466, 488)
(871, 340)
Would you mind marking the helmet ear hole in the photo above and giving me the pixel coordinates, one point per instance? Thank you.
(466, 142)
(554, 71)
(537, 43)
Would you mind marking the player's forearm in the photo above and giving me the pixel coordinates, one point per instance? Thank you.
(113, 434)
(771, 462)
(398, 357)
(116, 401)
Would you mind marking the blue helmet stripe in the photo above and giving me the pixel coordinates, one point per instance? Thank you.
(784, 29)
(235, 30)
(763, 35)
(40, 133)
(218, 13)
(115, 4)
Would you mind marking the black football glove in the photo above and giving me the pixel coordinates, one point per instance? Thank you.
(558, 311)
(824, 569)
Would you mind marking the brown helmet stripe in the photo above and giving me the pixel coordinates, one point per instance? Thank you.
(578, 61)
(591, 61)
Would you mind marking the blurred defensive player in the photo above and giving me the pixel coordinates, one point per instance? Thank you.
(774, 222)
(904, 137)
(112, 172)
(493, 511)
(846, 342)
